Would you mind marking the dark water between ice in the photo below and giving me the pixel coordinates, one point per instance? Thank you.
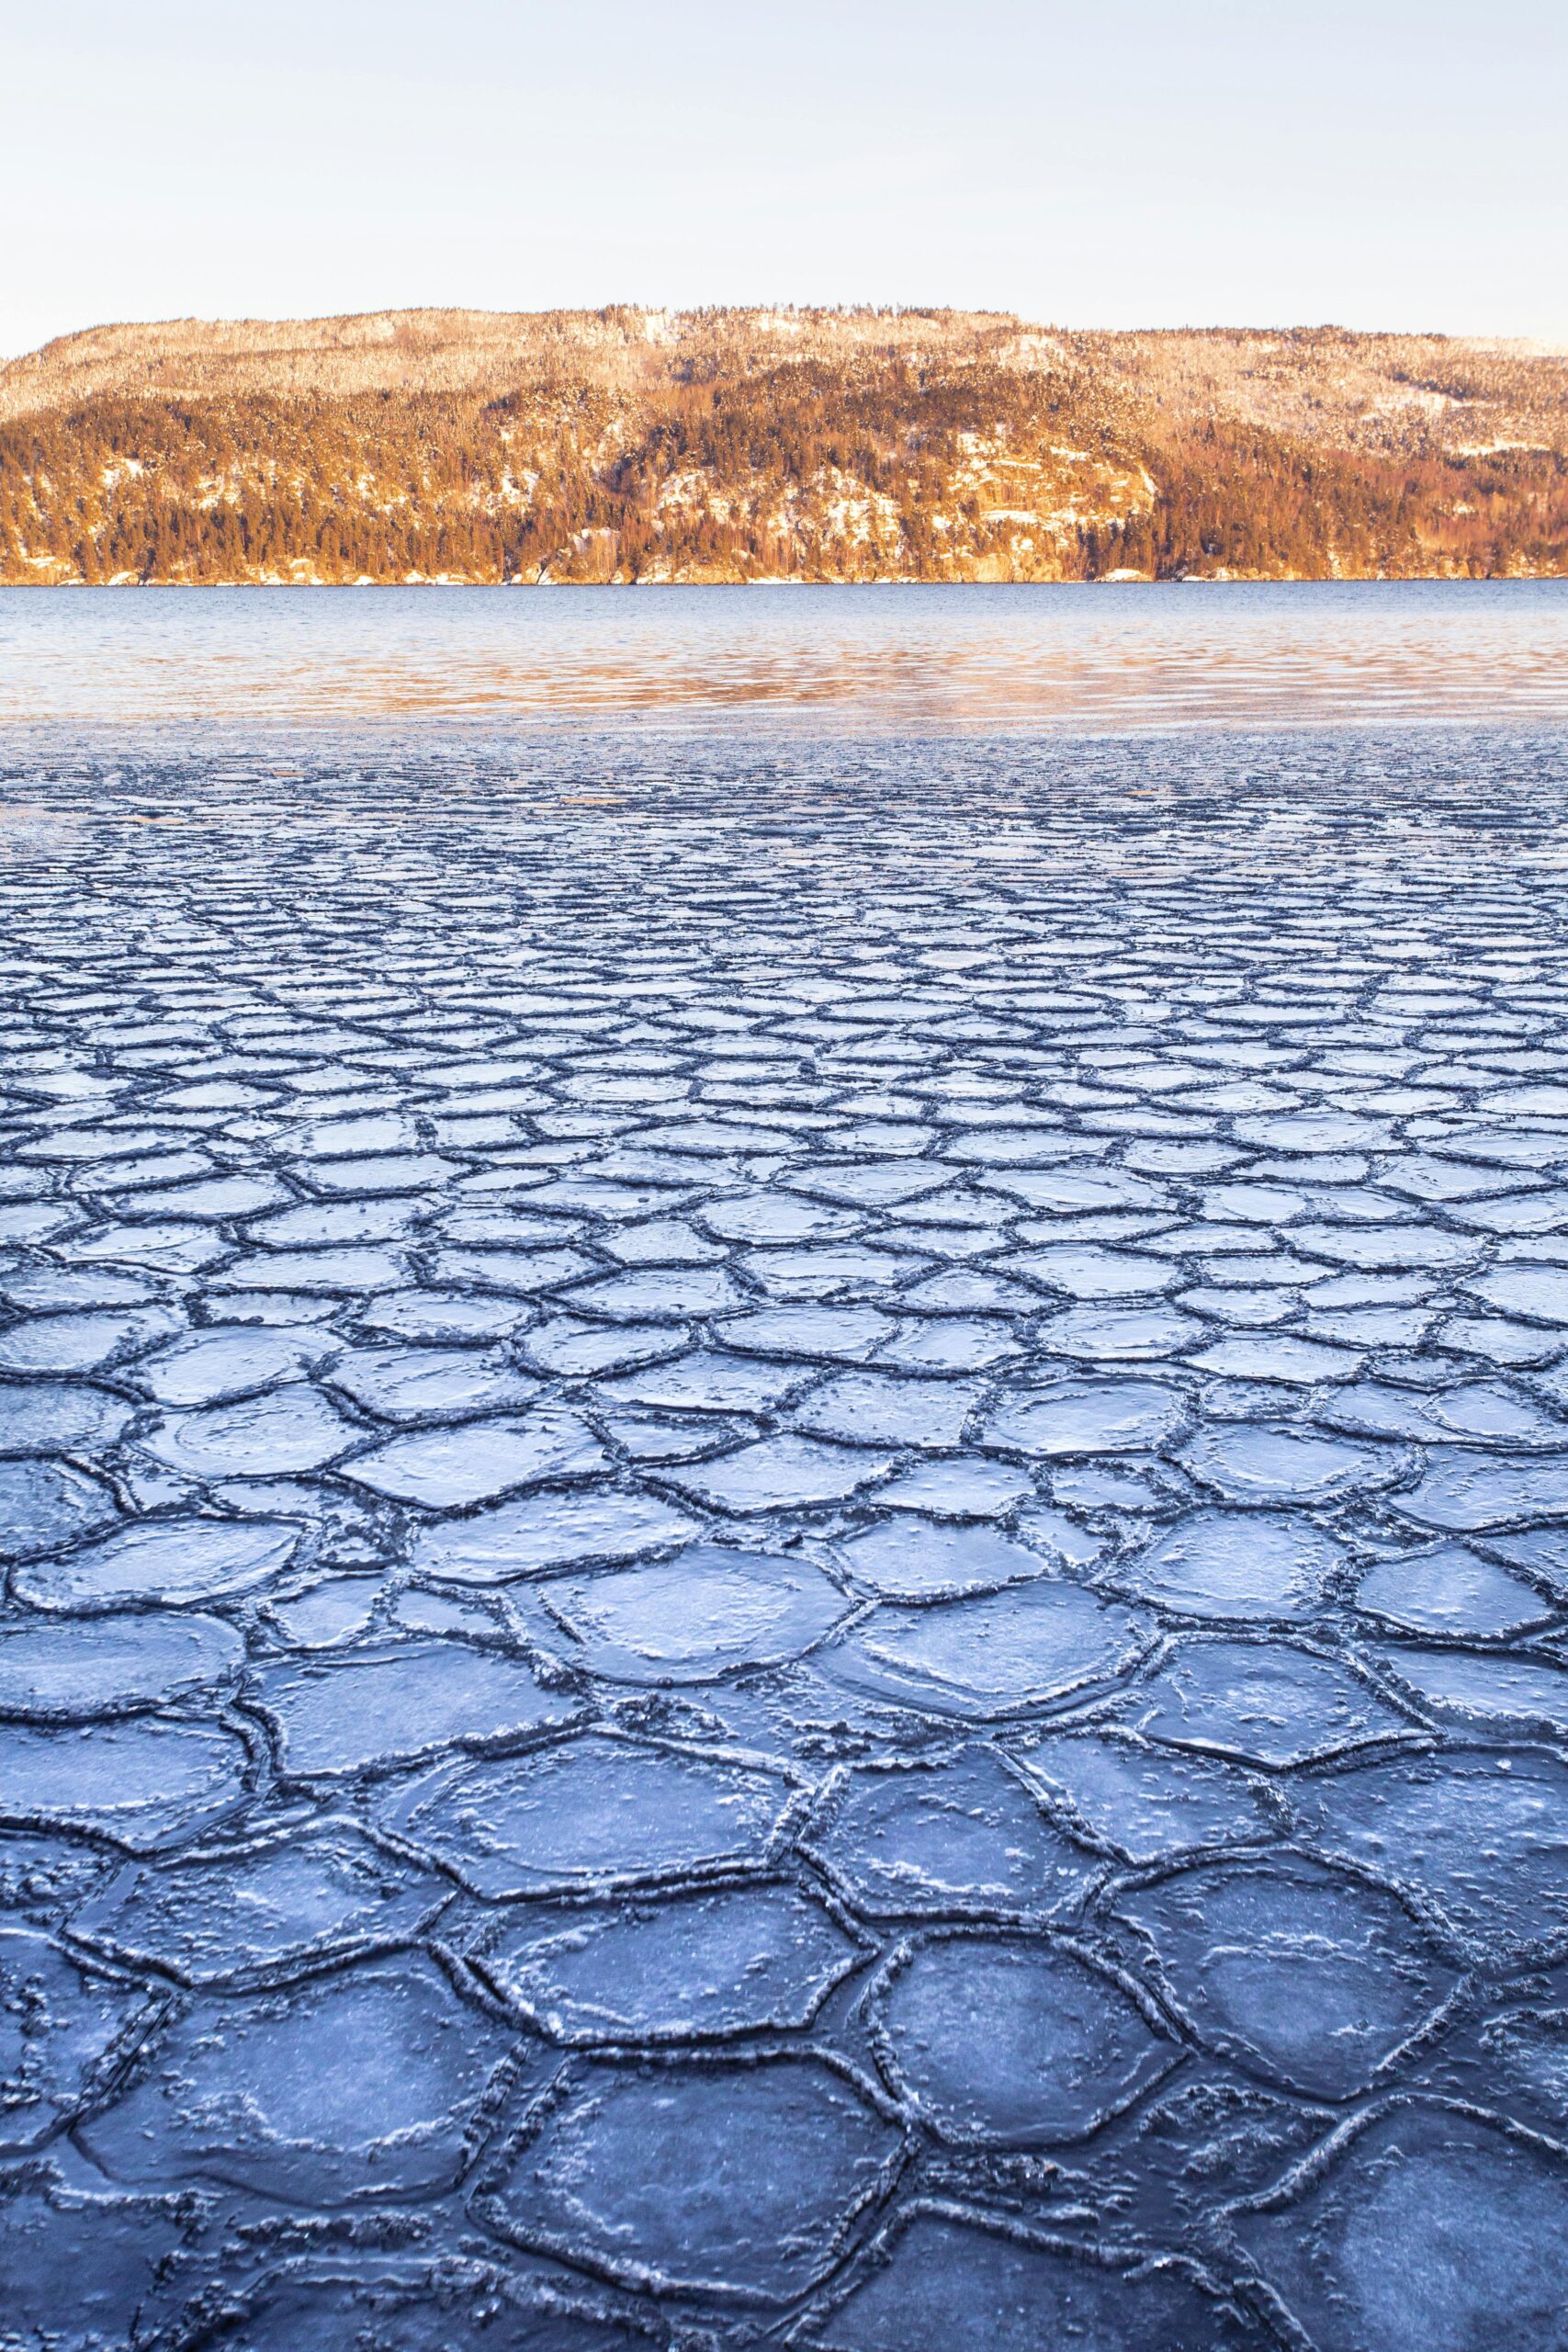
(786, 1519)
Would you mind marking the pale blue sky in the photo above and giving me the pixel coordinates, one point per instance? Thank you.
(1104, 162)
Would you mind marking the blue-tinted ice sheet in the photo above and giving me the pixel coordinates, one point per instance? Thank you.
(785, 1546)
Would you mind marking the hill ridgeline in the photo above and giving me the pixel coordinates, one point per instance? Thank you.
(633, 445)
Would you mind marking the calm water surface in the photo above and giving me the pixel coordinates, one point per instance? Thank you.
(874, 659)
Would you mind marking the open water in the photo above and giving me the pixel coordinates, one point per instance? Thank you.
(784, 1468)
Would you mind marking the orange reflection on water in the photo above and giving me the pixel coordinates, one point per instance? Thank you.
(905, 660)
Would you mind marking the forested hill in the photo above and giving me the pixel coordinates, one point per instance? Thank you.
(628, 445)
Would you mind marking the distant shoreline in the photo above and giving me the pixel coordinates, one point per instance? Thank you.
(685, 587)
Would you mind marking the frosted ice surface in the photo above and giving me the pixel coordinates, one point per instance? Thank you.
(780, 1474)
(215, 1366)
(59, 2023)
(873, 1408)
(913, 1560)
(1087, 1271)
(1264, 1702)
(590, 1812)
(64, 1343)
(398, 1704)
(1311, 1980)
(360, 2083)
(523, 1273)
(786, 1540)
(1015, 2042)
(990, 1654)
(219, 1198)
(874, 1185)
(663, 1241)
(139, 1782)
(1431, 2232)
(1249, 1463)
(117, 1665)
(692, 1967)
(384, 1172)
(650, 1437)
(85, 2305)
(968, 1294)
(1516, 2058)
(335, 1221)
(46, 1505)
(1108, 1416)
(695, 2176)
(1115, 1486)
(704, 1613)
(1013, 1147)
(1538, 1293)
(960, 1487)
(429, 1383)
(1479, 1842)
(174, 1561)
(233, 1914)
(962, 1834)
(1118, 1334)
(437, 1317)
(59, 1416)
(379, 2302)
(1143, 1803)
(843, 1333)
(709, 1381)
(1541, 1553)
(1451, 1590)
(572, 1347)
(329, 1272)
(1298, 1363)
(1236, 1564)
(260, 1437)
(774, 1216)
(446, 1469)
(1477, 1409)
(1471, 1492)
(1380, 1246)
(1524, 1689)
(951, 2279)
(54, 1289)
(951, 1343)
(547, 1531)
(693, 1290)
